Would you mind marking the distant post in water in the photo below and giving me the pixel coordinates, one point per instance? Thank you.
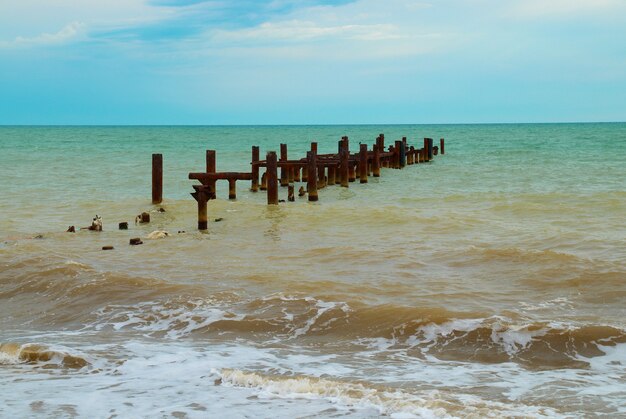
(284, 171)
(272, 178)
(441, 146)
(157, 178)
(312, 175)
(255, 169)
(363, 163)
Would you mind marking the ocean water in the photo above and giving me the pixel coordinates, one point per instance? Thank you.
(490, 282)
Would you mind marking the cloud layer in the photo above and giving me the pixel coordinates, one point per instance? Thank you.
(290, 61)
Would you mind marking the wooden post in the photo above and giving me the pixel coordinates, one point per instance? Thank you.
(255, 169)
(376, 161)
(157, 178)
(402, 153)
(410, 156)
(430, 149)
(312, 175)
(314, 147)
(332, 174)
(232, 188)
(435, 150)
(321, 175)
(345, 161)
(290, 193)
(211, 167)
(284, 171)
(272, 178)
(202, 197)
(264, 181)
(363, 164)
(296, 173)
(425, 155)
(441, 146)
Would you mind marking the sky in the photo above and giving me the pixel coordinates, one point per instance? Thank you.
(271, 62)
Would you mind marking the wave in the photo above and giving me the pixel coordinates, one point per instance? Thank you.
(425, 331)
(32, 353)
(386, 401)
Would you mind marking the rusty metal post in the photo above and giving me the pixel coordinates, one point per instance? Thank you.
(321, 175)
(272, 178)
(255, 169)
(232, 188)
(376, 161)
(441, 146)
(157, 178)
(290, 193)
(312, 175)
(284, 171)
(211, 167)
(202, 197)
(332, 174)
(363, 163)
(430, 149)
(343, 168)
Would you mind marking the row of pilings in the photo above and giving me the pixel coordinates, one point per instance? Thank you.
(316, 170)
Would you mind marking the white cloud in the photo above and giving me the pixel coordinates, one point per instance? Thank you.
(68, 32)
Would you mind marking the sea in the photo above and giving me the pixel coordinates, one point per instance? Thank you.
(489, 282)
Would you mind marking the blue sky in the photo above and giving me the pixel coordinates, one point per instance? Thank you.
(311, 61)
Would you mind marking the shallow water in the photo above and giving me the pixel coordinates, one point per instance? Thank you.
(489, 282)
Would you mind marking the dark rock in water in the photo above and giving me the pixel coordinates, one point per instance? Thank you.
(107, 247)
(38, 236)
(217, 220)
(161, 209)
(136, 241)
(218, 382)
(71, 229)
(181, 231)
(281, 200)
(123, 226)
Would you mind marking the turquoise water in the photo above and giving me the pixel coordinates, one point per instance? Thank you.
(487, 282)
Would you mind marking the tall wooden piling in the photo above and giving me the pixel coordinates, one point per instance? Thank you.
(363, 163)
(321, 175)
(441, 146)
(284, 171)
(311, 185)
(255, 169)
(332, 175)
(425, 152)
(272, 178)
(157, 178)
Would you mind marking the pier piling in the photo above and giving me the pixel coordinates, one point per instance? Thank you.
(312, 175)
(157, 178)
(255, 169)
(272, 178)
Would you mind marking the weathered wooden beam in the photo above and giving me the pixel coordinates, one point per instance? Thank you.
(157, 178)
(441, 146)
(376, 160)
(284, 170)
(208, 178)
(232, 188)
